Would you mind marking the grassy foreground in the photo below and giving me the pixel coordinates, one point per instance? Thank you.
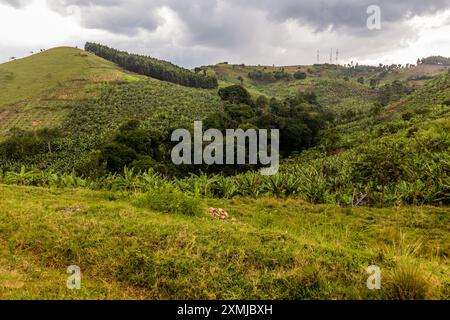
(271, 249)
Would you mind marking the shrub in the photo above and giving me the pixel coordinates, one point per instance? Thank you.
(282, 75)
(380, 163)
(235, 94)
(261, 76)
(393, 92)
(300, 75)
(262, 102)
(22, 144)
(117, 156)
(167, 199)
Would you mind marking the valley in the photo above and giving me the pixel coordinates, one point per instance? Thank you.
(86, 179)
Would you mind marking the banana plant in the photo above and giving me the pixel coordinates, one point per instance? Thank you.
(23, 177)
(275, 185)
(226, 187)
(129, 181)
(250, 184)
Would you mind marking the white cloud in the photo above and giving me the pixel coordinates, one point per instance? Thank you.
(35, 26)
(431, 38)
(197, 32)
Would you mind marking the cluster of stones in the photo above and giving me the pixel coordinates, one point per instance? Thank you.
(219, 213)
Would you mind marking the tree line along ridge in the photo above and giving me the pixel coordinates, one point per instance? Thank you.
(155, 68)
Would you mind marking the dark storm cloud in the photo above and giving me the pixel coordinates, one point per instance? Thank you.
(208, 18)
(117, 16)
(208, 22)
(344, 13)
(191, 32)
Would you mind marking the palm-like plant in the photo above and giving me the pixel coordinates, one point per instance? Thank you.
(250, 184)
(2, 174)
(291, 184)
(23, 177)
(225, 187)
(152, 180)
(128, 181)
(202, 185)
(275, 185)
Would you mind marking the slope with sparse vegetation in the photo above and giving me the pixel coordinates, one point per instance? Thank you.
(268, 249)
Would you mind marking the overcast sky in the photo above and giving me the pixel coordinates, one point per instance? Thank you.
(200, 32)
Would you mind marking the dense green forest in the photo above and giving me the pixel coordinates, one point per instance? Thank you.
(152, 67)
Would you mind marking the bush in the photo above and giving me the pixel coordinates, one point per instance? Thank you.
(300, 75)
(167, 199)
(22, 145)
(262, 102)
(261, 76)
(393, 92)
(282, 75)
(380, 163)
(235, 94)
(116, 156)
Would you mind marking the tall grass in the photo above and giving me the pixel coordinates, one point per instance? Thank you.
(170, 200)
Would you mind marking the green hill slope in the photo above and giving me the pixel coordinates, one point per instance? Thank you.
(337, 87)
(44, 72)
(405, 144)
(273, 249)
(35, 90)
(86, 97)
(429, 104)
(415, 75)
(45, 89)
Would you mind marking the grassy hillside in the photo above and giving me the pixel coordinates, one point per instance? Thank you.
(44, 72)
(86, 98)
(39, 91)
(285, 249)
(414, 76)
(428, 104)
(337, 87)
(36, 90)
(43, 90)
